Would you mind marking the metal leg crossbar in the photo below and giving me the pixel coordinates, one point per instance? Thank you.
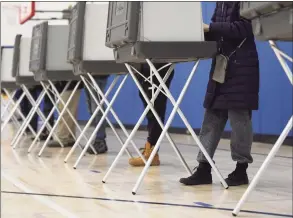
(35, 109)
(11, 97)
(280, 55)
(54, 89)
(51, 112)
(8, 104)
(25, 124)
(168, 123)
(12, 111)
(104, 112)
(65, 109)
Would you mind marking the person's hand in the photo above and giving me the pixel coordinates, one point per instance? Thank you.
(206, 27)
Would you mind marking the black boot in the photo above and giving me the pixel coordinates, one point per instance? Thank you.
(201, 176)
(238, 176)
(100, 145)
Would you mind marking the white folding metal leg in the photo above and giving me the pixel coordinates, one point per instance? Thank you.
(102, 118)
(11, 113)
(20, 113)
(168, 123)
(279, 142)
(36, 108)
(70, 114)
(59, 118)
(87, 84)
(20, 132)
(8, 104)
(89, 123)
(100, 93)
(50, 114)
(149, 106)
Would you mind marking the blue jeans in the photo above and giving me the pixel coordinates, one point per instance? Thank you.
(102, 82)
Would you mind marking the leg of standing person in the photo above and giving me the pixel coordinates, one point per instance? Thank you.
(210, 134)
(241, 141)
(62, 130)
(26, 107)
(100, 141)
(48, 106)
(160, 105)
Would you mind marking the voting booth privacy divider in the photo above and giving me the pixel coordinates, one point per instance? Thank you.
(49, 64)
(25, 78)
(10, 69)
(142, 30)
(90, 58)
(266, 18)
(271, 21)
(8, 82)
(148, 33)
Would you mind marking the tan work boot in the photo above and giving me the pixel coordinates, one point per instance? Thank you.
(138, 162)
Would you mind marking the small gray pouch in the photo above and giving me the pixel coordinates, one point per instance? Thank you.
(220, 68)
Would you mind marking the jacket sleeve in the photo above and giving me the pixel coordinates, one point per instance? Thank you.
(235, 30)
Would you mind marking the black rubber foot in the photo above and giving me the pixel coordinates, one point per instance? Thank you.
(65, 161)
(227, 187)
(39, 155)
(133, 193)
(74, 168)
(103, 182)
(234, 214)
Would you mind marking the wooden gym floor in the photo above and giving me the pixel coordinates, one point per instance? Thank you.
(46, 187)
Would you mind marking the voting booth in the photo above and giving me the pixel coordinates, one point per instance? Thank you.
(48, 53)
(158, 32)
(272, 21)
(20, 64)
(266, 18)
(86, 48)
(49, 64)
(7, 79)
(9, 86)
(25, 78)
(142, 30)
(90, 58)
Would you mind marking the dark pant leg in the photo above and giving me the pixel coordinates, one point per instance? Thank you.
(18, 94)
(102, 82)
(48, 106)
(154, 129)
(27, 107)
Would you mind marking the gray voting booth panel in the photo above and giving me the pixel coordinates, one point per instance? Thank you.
(48, 53)
(140, 30)
(7, 80)
(85, 24)
(165, 52)
(122, 24)
(270, 20)
(20, 80)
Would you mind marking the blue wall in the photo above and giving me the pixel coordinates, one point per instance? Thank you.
(275, 92)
